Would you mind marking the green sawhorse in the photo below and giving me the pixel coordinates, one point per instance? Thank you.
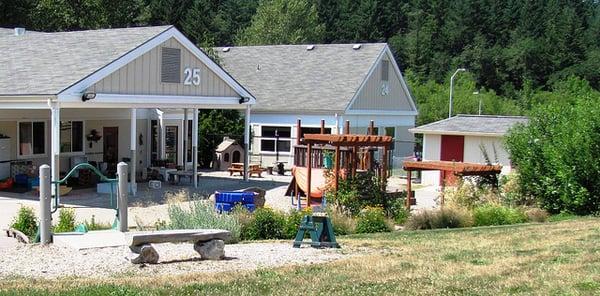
(321, 232)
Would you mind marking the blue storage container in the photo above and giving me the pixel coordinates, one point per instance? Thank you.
(250, 207)
(234, 197)
(223, 207)
(21, 179)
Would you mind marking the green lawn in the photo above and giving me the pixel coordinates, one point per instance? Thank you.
(560, 258)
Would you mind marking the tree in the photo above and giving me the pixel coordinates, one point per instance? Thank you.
(214, 125)
(282, 22)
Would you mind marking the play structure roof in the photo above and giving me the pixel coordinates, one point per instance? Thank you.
(347, 140)
(461, 168)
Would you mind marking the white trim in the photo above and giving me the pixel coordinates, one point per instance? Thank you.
(23, 105)
(455, 133)
(103, 100)
(32, 156)
(76, 90)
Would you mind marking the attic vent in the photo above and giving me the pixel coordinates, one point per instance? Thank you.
(226, 49)
(19, 31)
(170, 67)
(385, 69)
(310, 47)
(357, 46)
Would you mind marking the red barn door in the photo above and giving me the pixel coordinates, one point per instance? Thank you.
(453, 149)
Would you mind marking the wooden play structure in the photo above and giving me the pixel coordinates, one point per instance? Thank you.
(448, 171)
(348, 154)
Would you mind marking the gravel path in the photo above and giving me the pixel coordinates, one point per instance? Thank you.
(36, 261)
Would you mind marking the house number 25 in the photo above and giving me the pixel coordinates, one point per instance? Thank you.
(192, 76)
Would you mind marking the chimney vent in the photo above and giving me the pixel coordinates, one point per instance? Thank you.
(19, 31)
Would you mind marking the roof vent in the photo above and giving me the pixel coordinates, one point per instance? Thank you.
(310, 47)
(226, 49)
(357, 46)
(19, 31)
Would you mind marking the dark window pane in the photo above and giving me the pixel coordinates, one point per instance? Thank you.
(267, 145)
(272, 131)
(65, 136)
(25, 138)
(39, 138)
(77, 127)
(283, 146)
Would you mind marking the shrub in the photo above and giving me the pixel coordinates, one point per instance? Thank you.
(201, 214)
(397, 210)
(264, 224)
(93, 225)
(292, 222)
(536, 215)
(343, 224)
(25, 222)
(562, 216)
(66, 221)
(371, 220)
(469, 195)
(354, 194)
(497, 215)
(446, 217)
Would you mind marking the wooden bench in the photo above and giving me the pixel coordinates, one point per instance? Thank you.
(209, 243)
(253, 169)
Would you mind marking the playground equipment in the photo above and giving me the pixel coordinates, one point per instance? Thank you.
(46, 197)
(320, 229)
(226, 201)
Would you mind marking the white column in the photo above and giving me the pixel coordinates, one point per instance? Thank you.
(161, 137)
(133, 147)
(185, 138)
(195, 147)
(246, 142)
(55, 144)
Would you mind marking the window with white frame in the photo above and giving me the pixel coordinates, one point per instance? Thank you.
(32, 138)
(71, 136)
(273, 137)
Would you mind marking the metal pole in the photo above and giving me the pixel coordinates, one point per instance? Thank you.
(55, 146)
(195, 147)
(45, 199)
(185, 138)
(247, 142)
(133, 147)
(452, 89)
(123, 193)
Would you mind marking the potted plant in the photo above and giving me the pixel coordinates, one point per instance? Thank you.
(327, 159)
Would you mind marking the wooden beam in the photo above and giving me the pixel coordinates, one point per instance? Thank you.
(408, 189)
(371, 128)
(347, 127)
(322, 126)
(337, 169)
(308, 173)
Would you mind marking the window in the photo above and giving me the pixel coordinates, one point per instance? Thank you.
(154, 132)
(276, 135)
(171, 144)
(189, 142)
(226, 157)
(71, 136)
(32, 138)
(236, 156)
(385, 69)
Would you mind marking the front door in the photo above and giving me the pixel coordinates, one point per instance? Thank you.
(111, 148)
(171, 143)
(453, 149)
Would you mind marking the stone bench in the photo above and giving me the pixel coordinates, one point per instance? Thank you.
(209, 243)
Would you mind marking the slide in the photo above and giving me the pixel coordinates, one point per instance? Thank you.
(318, 183)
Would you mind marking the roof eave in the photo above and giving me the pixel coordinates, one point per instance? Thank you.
(454, 133)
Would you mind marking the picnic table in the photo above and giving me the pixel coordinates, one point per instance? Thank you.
(175, 176)
(238, 167)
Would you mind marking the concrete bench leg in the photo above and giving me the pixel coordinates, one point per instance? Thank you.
(210, 250)
(145, 254)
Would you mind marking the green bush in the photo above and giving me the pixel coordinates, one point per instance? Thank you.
(264, 223)
(372, 220)
(66, 221)
(354, 194)
(397, 211)
(557, 153)
(562, 216)
(446, 217)
(25, 222)
(202, 214)
(343, 224)
(497, 215)
(93, 225)
(292, 222)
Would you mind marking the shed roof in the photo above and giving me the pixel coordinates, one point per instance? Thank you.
(38, 63)
(227, 142)
(492, 125)
(288, 78)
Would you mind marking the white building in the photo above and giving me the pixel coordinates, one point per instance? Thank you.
(334, 82)
(466, 138)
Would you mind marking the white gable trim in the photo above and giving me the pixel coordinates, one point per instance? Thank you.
(76, 90)
(387, 52)
(153, 101)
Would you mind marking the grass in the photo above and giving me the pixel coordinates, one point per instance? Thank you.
(561, 258)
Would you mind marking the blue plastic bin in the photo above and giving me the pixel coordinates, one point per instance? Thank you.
(233, 197)
(227, 207)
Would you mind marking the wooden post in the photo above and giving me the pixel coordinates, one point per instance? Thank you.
(408, 188)
(371, 127)
(347, 127)
(298, 131)
(337, 168)
(322, 126)
(384, 166)
(308, 173)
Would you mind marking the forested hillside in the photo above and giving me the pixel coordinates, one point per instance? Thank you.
(518, 53)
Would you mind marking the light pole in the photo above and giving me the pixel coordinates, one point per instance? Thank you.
(451, 88)
(477, 94)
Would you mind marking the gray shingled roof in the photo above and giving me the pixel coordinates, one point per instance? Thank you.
(286, 78)
(471, 124)
(47, 63)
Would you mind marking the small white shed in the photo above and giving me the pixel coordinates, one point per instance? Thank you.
(228, 152)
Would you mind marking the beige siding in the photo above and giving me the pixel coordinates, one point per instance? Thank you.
(142, 77)
(371, 98)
